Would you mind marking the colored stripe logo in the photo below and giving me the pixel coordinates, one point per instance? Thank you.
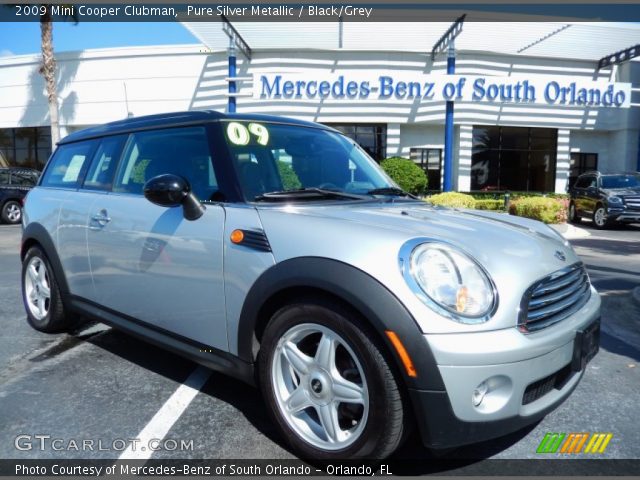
(574, 443)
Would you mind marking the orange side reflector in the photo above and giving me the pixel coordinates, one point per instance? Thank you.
(237, 236)
(402, 353)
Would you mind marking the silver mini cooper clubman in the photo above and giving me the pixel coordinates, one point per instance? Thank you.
(278, 252)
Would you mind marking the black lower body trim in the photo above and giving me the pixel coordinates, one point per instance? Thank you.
(212, 358)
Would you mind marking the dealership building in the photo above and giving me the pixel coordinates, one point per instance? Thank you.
(532, 108)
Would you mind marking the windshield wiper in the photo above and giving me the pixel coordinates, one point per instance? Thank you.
(391, 191)
(310, 193)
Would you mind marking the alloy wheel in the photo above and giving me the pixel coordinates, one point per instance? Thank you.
(599, 217)
(14, 212)
(37, 288)
(320, 386)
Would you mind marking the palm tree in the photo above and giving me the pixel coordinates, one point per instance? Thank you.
(48, 67)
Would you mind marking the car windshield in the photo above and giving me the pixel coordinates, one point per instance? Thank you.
(278, 161)
(621, 181)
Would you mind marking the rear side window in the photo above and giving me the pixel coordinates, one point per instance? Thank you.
(104, 163)
(179, 151)
(4, 177)
(24, 179)
(68, 165)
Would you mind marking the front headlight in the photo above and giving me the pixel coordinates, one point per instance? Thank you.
(615, 200)
(453, 281)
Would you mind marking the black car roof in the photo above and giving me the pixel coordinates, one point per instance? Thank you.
(175, 119)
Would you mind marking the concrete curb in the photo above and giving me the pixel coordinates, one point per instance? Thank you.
(635, 294)
(571, 232)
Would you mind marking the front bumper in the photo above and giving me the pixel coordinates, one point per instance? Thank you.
(511, 364)
(623, 215)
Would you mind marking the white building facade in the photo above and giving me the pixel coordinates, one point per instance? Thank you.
(524, 121)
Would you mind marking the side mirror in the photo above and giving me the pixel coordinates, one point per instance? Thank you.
(171, 191)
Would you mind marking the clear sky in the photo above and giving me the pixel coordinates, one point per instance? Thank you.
(22, 38)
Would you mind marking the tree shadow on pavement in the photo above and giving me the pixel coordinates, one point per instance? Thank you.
(617, 346)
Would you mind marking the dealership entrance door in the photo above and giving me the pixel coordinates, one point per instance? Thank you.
(514, 158)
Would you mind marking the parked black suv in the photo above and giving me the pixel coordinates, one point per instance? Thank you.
(607, 198)
(15, 183)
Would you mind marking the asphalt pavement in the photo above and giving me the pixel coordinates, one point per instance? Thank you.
(101, 385)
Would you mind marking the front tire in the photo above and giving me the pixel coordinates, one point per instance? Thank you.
(328, 385)
(41, 295)
(12, 212)
(600, 218)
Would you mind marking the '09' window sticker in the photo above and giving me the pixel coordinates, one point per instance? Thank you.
(238, 134)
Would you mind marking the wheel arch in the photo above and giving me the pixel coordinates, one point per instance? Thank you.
(36, 235)
(354, 289)
(4, 201)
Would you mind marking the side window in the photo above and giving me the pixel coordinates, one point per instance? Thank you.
(67, 165)
(179, 151)
(582, 182)
(586, 182)
(4, 177)
(23, 179)
(104, 164)
(260, 172)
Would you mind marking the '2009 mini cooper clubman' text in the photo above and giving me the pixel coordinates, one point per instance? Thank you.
(277, 251)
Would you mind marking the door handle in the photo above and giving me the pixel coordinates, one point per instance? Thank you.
(101, 218)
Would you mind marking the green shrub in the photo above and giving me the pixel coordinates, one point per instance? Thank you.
(290, 180)
(538, 195)
(453, 199)
(487, 195)
(545, 209)
(499, 195)
(405, 173)
(489, 204)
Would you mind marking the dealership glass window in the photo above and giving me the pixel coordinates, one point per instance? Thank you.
(371, 137)
(513, 158)
(25, 147)
(430, 160)
(581, 163)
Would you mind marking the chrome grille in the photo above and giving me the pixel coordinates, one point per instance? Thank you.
(632, 202)
(554, 298)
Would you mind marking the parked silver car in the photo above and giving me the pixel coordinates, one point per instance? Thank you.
(277, 251)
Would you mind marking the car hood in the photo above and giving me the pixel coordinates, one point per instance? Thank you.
(473, 230)
(515, 251)
(621, 192)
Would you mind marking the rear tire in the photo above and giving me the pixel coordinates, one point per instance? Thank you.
(12, 212)
(328, 386)
(41, 295)
(573, 214)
